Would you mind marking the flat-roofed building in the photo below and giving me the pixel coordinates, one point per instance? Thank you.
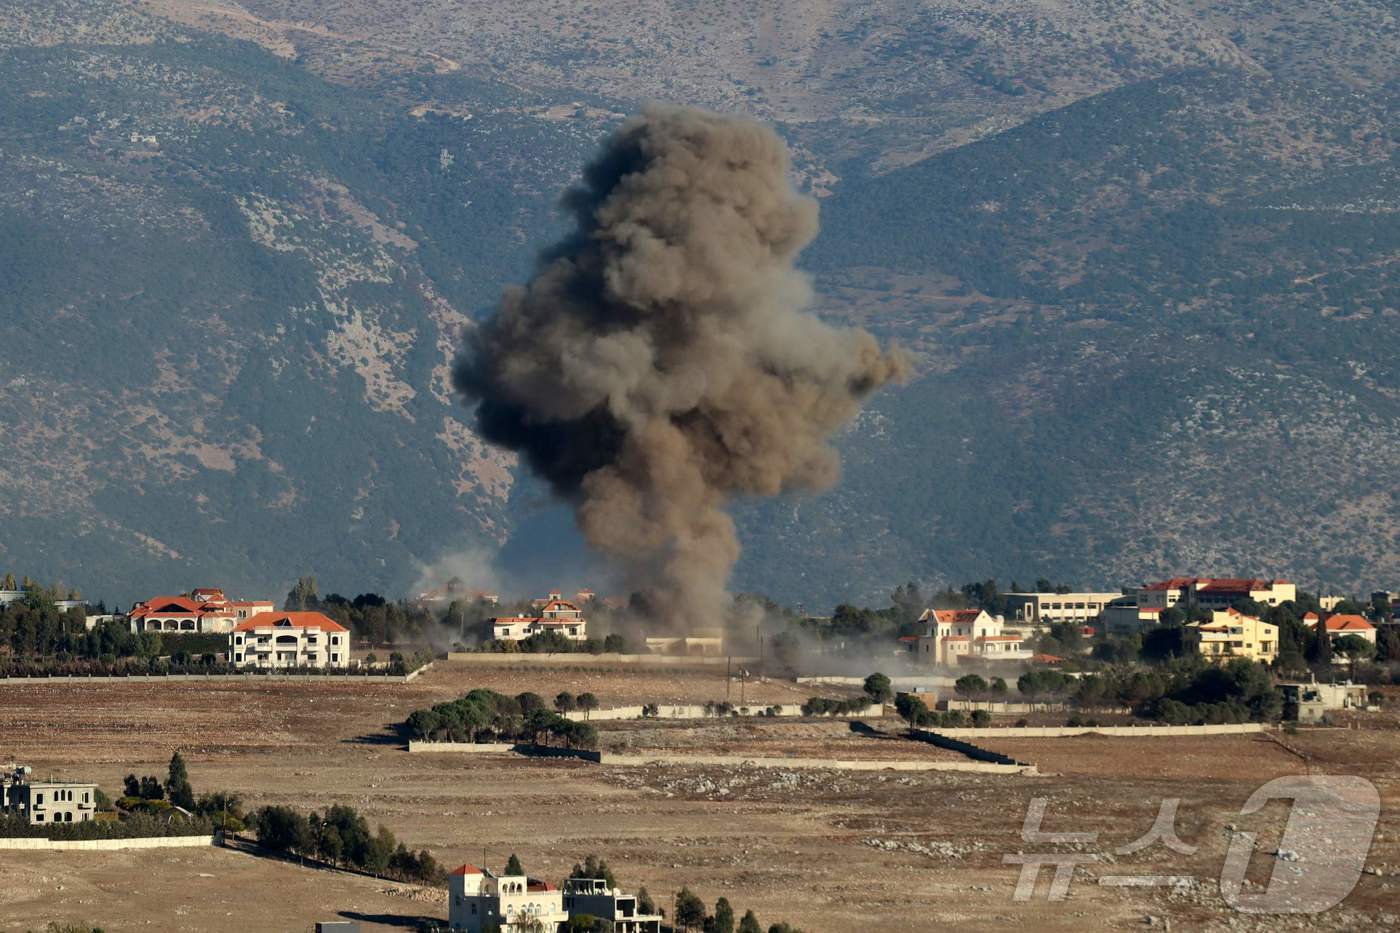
(46, 802)
(289, 639)
(1055, 608)
(1123, 616)
(592, 897)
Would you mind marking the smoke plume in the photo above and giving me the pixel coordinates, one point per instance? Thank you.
(660, 362)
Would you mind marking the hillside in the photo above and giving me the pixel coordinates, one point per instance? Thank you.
(1145, 255)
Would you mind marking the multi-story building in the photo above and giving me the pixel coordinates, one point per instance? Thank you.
(620, 912)
(1216, 592)
(1232, 634)
(478, 900)
(46, 801)
(201, 610)
(289, 639)
(1054, 608)
(555, 615)
(954, 636)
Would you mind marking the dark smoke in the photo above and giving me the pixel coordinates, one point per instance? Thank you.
(660, 362)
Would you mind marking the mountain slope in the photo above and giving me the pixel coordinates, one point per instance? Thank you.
(1144, 253)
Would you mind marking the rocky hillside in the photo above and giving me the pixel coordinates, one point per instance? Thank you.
(1145, 254)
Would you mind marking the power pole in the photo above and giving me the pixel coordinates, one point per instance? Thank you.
(728, 675)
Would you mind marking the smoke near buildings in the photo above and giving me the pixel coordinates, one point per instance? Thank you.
(661, 362)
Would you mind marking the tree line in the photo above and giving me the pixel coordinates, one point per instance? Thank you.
(484, 715)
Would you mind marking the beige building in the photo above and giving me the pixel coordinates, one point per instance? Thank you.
(1216, 592)
(1054, 608)
(956, 636)
(1231, 634)
(478, 900)
(289, 639)
(701, 643)
(1312, 700)
(44, 802)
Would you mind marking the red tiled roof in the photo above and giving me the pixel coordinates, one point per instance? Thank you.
(465, 870)
(1048, 659)
(533, 885)
(1347, 622)
(293, 619)
(208, 591)
(909, 638)
(956, 615)
(1001, 638)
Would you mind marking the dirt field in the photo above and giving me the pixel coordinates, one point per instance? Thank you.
(827, 851)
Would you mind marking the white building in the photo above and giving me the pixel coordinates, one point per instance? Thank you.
(289, 639)
(556, 615)
(478, 899)
(1340, 625)
(46, 801)
(593, 897)
(1054, 608)
(953, 636)
(202, 610)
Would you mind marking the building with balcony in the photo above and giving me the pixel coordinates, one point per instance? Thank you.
(478, 900)
(289, 639)
(1232, 634)
(619, 912)
(959, 636)
(555, 615)
(202, 610)
(1123, 616)
(45, 802)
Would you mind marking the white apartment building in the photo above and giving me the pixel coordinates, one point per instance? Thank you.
(1055, 608)
(478, 899)
(593, 897)
(289, 639)
(43, 802)
(952, 636)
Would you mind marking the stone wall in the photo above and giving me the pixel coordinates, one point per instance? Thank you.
(107, 845)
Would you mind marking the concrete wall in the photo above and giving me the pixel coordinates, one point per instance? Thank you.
(997, 706)
(108, 845)
(1050, 732)
(583, 659)
(243, 675)
(697, 711)
(462, 748)
(833, 764)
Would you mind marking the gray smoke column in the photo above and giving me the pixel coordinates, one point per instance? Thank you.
(660, 362)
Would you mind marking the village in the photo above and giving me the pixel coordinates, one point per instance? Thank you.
(573, 696)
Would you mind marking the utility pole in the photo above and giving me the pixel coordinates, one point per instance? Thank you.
(728, 675)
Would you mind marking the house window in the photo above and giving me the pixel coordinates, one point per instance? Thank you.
(38, 800)
(38, 817)
(334, 658)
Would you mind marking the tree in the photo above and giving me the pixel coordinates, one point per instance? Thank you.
(750, 923)
(970, 685)
(644, 902)
(151, 788)
(723, 919)
(177, 783)
(587, 702)
(513, 866)
(615, 644)
(131, 786)
(877, 687)
(690, 910)
(999, 688)
(1320, 650)
(564, 701)
(911, 709)
(529, 702)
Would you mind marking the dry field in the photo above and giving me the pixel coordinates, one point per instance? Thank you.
(827, 851)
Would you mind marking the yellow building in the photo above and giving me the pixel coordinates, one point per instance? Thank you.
(1232, 634)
